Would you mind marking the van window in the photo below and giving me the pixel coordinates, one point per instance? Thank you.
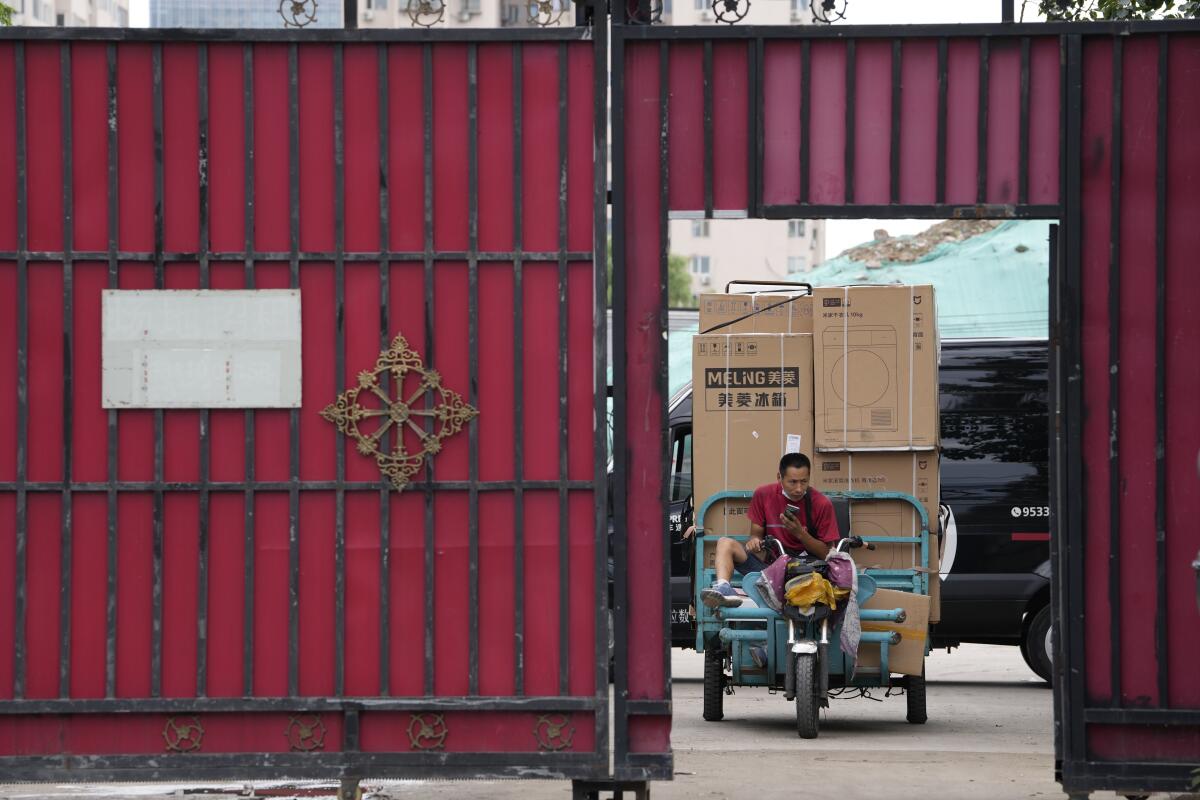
(681, 464)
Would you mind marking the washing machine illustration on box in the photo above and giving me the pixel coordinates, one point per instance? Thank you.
(860, 385)
(884, 519)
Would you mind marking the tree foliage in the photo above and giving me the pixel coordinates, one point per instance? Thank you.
(679, 281)
(6, 12)
(1087, 10)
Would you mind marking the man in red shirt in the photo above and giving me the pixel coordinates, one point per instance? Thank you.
(800, 517)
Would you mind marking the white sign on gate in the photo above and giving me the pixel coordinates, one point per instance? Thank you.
(201, 349)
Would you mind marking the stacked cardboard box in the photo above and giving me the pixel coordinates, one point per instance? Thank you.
(875, 363)
(752, 396)
(847, 376)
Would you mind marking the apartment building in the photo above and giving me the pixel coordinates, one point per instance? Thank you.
(71, 13)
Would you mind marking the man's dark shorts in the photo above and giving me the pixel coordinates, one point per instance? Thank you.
(752, 564)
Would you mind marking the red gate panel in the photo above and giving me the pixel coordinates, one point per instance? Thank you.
(238, 583)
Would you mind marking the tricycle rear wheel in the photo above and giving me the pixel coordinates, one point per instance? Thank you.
(714, 685)
(808, 709)
(915, 693)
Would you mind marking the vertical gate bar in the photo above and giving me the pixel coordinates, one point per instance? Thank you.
(1023, 157)
(248, 501)
(894, 158)
(664, 256)
(22, 375)
(982, 130)
(943, 83)
(339, 370)
(1075, 668)
(564, 608)
(427, 113)
(202, 568)
(805, 114)
(620, 603)
(518, 380)
(294, 416)
(156, 630)
(708, 133)
(758, 148)
(851, 79)
(110, 617)
(473, 347)
(600, 355)
(1056, 450)
(752, 129)
(385, 506)
(1114, 377)
(1160, 376)
(64, 650)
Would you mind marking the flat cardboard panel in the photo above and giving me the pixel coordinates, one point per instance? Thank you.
(786, 312)
(908, 657)
(752, 401)
(875, 355)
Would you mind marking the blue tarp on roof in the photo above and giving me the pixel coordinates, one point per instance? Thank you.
(992, 285)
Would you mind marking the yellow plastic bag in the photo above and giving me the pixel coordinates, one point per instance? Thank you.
(807, 590)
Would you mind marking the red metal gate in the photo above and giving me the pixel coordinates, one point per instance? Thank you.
(1085, 124)
(242, 593)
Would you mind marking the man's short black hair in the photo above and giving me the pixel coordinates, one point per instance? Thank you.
(790, 460)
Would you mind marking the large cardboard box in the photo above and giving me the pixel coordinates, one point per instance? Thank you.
(908, 657)
(914, 473)
(751, 403)
(790, 312)
(876, 371)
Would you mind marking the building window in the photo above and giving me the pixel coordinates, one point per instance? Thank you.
(702, 5)
(796, 264)
(795, 229)
(700, 228)
(511, 15)
(700, 265)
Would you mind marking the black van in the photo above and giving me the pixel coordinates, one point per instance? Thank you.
(995, 499)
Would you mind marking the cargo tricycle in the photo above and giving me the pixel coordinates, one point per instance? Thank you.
(756, 646)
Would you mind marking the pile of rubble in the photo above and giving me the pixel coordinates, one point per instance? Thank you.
(909, 249)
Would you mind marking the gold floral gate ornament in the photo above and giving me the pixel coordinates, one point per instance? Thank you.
(448, 414)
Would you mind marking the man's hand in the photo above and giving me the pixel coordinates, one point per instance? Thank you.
(754, 545)
(792, 525)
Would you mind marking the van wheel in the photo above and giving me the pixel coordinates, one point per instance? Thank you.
(1035, 645)
(714, 685)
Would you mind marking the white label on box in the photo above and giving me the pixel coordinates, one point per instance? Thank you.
(201, 349)
(793, 443)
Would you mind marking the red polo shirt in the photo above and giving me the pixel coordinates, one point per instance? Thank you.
(769, 502)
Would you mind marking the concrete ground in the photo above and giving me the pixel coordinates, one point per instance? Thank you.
(988, 736)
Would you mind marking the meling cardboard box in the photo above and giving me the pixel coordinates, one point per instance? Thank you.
(875, 354)
(751, 403)
(756, 313)
(914, 473)
(908, 657)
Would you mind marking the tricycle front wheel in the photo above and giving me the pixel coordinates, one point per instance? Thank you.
(808, 709)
